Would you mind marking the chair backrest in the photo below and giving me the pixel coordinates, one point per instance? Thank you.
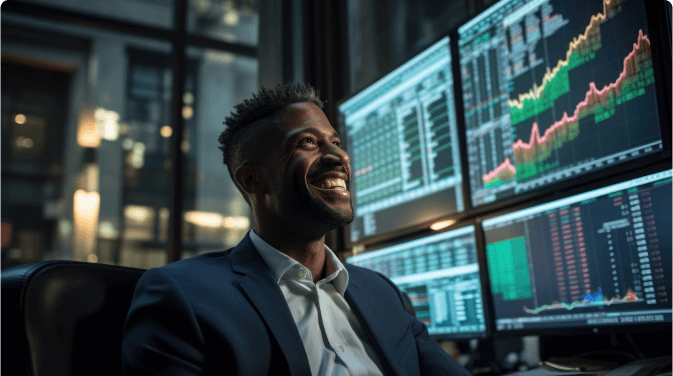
(64, 317)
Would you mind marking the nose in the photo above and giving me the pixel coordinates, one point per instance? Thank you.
(335, 154)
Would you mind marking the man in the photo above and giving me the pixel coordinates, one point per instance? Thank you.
(280, 302)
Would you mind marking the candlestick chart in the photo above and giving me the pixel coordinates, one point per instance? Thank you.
(555, 90)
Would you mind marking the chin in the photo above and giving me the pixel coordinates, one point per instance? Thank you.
(327, 212)
(337, 213)
(341, 219)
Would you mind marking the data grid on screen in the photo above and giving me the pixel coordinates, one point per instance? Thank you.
(403, 143)
(599, 258)
(440, 274)
(554, 89)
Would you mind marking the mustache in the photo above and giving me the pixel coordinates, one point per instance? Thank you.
(319, 172)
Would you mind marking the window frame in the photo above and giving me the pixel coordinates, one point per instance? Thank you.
(179, 39)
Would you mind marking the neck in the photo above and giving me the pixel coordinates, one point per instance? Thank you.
(305, 248)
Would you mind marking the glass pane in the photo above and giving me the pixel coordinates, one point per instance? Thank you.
(84, 162)
(146, 144)
(157, 13)
(216, 216)
(234, 21)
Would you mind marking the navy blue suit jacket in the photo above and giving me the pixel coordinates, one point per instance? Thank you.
(222, 313)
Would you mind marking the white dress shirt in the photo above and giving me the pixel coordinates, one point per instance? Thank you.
(324, 319)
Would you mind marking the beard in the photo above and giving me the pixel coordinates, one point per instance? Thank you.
(307, 201)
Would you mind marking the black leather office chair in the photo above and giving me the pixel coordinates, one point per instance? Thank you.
(64, 317)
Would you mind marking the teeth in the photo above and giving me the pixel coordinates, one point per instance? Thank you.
(333, 183)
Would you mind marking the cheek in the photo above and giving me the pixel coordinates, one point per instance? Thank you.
(299, 165)
(296, 170)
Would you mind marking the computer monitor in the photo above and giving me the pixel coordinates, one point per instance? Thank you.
(440, 274)
(402, 139)
(596, 259)
(556, 89)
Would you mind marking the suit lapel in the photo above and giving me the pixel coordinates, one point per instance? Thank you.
(265, 294)
(374, 319)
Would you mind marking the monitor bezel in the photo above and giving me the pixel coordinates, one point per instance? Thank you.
(661, 51)
(420, 226)
(657, 23)
(480, 260)
(574, 330)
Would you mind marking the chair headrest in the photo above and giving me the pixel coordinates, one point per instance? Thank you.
(65, 317)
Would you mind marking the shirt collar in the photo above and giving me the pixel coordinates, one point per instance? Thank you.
(279, 263)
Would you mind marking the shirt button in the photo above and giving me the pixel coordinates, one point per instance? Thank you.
(302, 274)
(341, 348)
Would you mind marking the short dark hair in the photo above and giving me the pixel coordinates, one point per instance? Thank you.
(249, 117)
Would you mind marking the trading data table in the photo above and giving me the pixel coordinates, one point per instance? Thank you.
(403, 143)
(440, 274)
(599, 258)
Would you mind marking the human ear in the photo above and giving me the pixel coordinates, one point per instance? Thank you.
(251, 179)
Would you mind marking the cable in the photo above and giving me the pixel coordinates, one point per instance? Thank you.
(628, 336)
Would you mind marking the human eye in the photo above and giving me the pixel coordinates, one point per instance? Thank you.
(312, 140)
(306, 139)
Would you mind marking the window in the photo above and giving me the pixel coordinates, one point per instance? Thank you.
(88, 131)
(225, 20)
(158, 13)
(215, 213)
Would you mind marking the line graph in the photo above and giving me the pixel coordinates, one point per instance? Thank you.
(590, 300)
(553, 90)
(577, 43)
(504, 173)
(636, 74)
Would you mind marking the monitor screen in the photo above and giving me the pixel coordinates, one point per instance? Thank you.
(595, 259)
(555, 89)
(402, 139)
(440, 274)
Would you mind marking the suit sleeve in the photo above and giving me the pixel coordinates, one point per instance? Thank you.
(161, 334)
(432, 359)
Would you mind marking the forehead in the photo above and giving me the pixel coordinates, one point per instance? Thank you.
(299, 115)
(290, 122)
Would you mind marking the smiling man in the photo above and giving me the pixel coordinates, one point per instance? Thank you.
(298, 185)
(280, 302)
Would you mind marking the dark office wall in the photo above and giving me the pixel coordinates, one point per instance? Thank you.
(270, 43)
(281, 42)
(383, 35)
